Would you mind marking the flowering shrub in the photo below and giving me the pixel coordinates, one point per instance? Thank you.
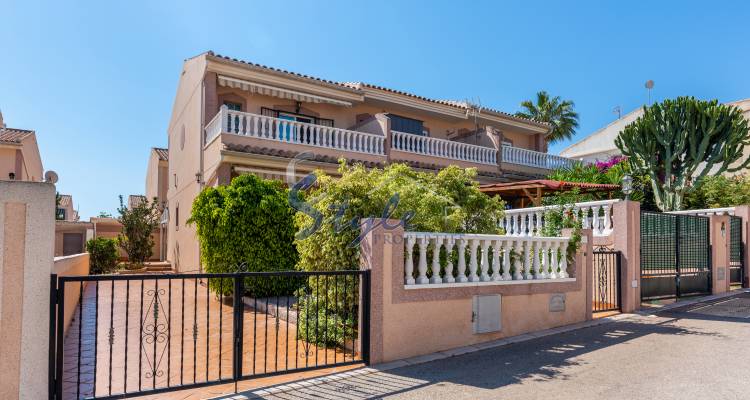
(604, 166)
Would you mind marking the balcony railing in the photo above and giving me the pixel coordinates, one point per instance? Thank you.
(442, 148)
(595, 215)
(286, 131)
(492, 259)
(531, 158)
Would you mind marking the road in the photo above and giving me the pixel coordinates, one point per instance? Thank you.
(695, 352)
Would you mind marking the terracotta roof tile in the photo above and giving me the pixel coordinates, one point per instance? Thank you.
(359, 85)
(11, 135)
(162, 153)
(66, 200)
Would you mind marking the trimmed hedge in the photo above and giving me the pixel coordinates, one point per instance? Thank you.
(247, 226)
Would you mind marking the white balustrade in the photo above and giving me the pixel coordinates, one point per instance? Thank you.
(531, 158)
(282, 130)
(443, 148)
(492, 259)
(595, 215)
(705, 212)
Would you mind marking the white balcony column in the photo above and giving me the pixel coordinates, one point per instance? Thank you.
(462, 261)
(543, 258)
(595, 219)
(586, 224)
(438, 242)
(409, 267)
(485, 267)
(506, 224)
(473, 265)
(449, 244)
(553, 259)
(422, 268)
(518, 263)
(537, 268)
(563, 261)
(514, 229)
(496, 249)
(607, 220)
(527, 252)
(506, 260)
(538, 224)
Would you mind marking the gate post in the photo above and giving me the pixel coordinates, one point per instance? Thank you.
(744, 213)
(626, 238)
(719, 238)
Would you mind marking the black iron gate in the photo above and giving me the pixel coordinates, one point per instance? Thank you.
(607, 295)
(736, 254)
(146, 334)
(675, 255)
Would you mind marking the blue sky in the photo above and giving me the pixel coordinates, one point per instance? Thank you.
(97, 80)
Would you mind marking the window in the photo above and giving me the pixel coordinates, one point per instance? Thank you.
(177, 217)
(296, 117)
(407, 125)
(60, 214)
(233, 106)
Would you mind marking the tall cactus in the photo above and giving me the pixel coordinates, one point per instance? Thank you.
(678, 142)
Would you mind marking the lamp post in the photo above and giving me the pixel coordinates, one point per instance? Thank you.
(627, 186)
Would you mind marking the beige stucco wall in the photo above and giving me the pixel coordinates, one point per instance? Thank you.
(110, 228)
(7, 161)
(61, 228)
(73, 265)
(413, 322)
(184, 163)
(26, 251)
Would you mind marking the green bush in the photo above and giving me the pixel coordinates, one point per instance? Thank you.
(449, 201)
(138, 224)
(247, 226)
(102, 255)
(719, 191)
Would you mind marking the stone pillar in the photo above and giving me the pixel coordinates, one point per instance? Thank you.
(626, 238)
(744, 213)
(27, 240)
(719, 234)
(381, 246)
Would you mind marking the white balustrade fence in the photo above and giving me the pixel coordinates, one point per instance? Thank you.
(264, 127)
(531, 158)
(594, 215)
(450, 258)
(443, 148)
(705, 212)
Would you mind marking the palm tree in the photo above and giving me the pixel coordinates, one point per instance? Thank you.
(554, 111)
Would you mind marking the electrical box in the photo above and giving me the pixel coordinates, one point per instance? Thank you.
(486, 313)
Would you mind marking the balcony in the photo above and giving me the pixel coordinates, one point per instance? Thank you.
(266, 131)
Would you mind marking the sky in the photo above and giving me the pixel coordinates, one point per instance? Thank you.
(96, 80)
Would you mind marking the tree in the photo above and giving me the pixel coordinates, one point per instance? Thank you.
(138, 224)
(678, 142)
(103, 255)
(560, 114)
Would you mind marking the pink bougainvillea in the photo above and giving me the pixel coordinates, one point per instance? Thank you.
(604, 166)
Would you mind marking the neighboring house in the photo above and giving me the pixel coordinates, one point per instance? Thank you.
(70, 233)
(232, 117)
(157, 175)
(600, 145)
(19, 155)
(65, 210)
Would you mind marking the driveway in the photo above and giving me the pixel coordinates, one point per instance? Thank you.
(697, 351)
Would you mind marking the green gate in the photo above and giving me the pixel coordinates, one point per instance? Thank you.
(736, 255)
(675, 255)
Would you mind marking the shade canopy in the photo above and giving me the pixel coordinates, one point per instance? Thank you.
(276, 91)
(525, 192)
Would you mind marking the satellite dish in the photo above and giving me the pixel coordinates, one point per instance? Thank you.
(649, 84)
(50, 177)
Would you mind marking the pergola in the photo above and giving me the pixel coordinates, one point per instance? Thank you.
(520, 194)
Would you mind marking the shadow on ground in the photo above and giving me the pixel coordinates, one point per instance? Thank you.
(540, 359)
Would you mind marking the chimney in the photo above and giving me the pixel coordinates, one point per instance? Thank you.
(2, 124)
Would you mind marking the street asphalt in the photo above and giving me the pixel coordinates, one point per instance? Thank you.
(694, 352)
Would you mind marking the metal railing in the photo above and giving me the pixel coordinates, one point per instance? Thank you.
(147, 334)
(704, 212)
